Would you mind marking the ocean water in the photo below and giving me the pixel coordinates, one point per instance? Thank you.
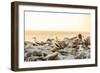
(44, 35)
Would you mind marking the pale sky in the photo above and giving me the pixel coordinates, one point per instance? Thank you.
(43, 21)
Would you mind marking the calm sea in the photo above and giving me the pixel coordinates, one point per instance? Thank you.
(44, 35)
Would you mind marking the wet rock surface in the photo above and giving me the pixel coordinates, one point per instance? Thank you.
(54, 49)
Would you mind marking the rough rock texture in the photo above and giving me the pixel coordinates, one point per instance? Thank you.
(54, 49)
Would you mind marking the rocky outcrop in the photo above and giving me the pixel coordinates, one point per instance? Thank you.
(53, 49)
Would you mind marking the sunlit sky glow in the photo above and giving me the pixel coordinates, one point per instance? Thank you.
(43, 21)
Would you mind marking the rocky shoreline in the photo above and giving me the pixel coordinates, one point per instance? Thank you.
(54, 49)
